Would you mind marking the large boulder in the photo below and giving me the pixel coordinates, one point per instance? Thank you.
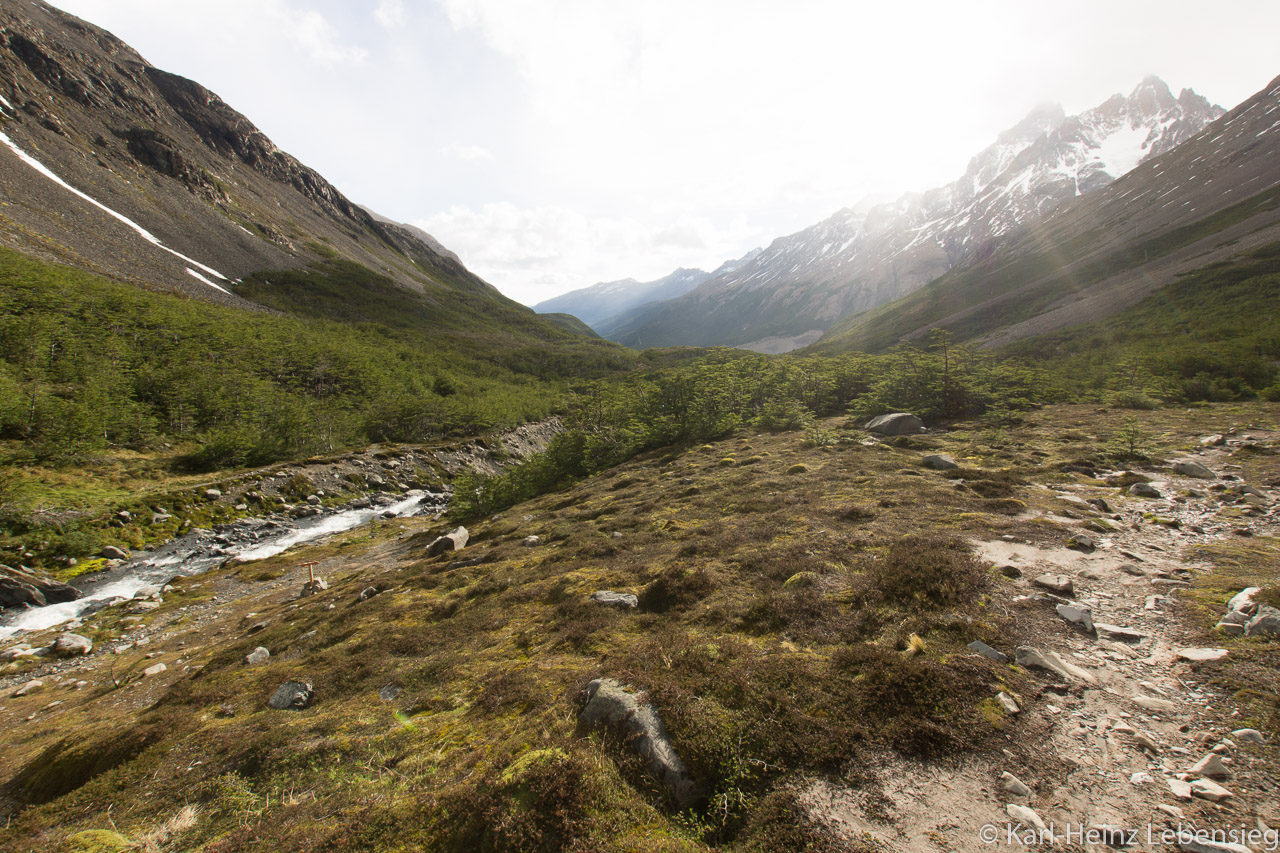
(454, 540)
(898, 423)
(18, 588)
(291, 696)
(610, 706)
(1187, 468)
(1265, 623)
(71, 645)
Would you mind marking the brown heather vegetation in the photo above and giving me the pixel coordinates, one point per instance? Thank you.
(777, 611)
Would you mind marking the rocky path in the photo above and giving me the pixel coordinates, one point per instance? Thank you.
(1121, 745)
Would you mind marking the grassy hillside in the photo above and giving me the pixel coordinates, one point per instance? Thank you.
(87, 363)
(1012, 286)
(1212, 335)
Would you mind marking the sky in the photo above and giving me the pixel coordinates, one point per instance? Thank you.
(554, 144)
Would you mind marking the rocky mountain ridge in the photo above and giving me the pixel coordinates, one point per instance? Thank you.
(118, 167)
(853, 261)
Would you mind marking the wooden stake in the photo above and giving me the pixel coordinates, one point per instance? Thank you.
(311, 570)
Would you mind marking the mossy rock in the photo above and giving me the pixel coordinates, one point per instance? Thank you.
(728, 462)
(96, 841)
(798, 468)
(1099, 525)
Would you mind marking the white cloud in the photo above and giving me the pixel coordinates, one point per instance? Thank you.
(533, 254)
(467, 152)
(316, 35)
(391, 14)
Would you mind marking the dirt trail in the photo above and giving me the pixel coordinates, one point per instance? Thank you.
(1079, 747)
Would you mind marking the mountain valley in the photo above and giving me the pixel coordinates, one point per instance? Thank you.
(313, 540)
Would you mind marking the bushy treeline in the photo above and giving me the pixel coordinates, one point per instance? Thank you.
(612, 420)
(87, 363)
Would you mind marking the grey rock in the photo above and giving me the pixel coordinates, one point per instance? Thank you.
(1213, 441)
(1012, 572)
(1082, 542)
(1187, 468)
(1009, 704)
(531, 541)
(389, 693)
(1077, 614)
(1265, 623)
(1026, 816)
(314, 500)
(454, 540)
(987, 652)
(1159, 706)
(212, 494)
(898, 423)
(368, 592)
(1181, 790)
(71, 645)
(27, 689)
(1142, 740)
(312, 587)
(154, 670)
(611, 706)
(1058, 583)
(1144, 490)
(1208, 790)
(1243, 600)
(111, 552)
(624, 600)
(1010, 784)
(291, 696)
(1211, 765)
(1119, 632)
(258, 656)
(1247, 736)
(1029, 656)
(940, 462)
(1198, 655)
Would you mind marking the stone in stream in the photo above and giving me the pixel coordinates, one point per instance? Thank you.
(111, 552)
(454, 540)
(1010, 784)
(623, 600)
(987, 652)
(1197, 655)
(291, 696)
(1029, 656)
(1058, 583)
(611, 706)
(1187, 468)
(1211, 765)
(898, 423)
(1077, 614)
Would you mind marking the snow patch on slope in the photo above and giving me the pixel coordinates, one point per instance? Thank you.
(146, 235)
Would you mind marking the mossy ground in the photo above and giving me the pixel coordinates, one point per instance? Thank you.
(775, 638)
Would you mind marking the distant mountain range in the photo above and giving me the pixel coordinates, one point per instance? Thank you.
(599, 304)
(1210, 204)
(802, 284)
